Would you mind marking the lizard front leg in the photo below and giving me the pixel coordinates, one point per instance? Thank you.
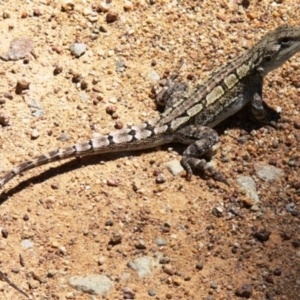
(200, 140)
(260, 110)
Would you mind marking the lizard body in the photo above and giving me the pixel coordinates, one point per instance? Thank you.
(191, 114)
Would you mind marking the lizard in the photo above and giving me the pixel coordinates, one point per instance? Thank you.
(190, 115)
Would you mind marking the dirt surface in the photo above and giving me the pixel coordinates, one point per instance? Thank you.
(95, 215)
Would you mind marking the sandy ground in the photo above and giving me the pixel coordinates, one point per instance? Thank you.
(70, 212)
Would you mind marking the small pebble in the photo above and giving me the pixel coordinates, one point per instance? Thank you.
(5, 15)
(8, 95)
(111, 17)
(15, 270)
(101, 260)
(296, 243)
(4, 118)
(55, 185)
(83, 84)
(297, 124)
(33, 284)
(269, 279)
(76, 77)
(153, 76)
(36, 13)
(160, 178)
(151, 293)
(3, 245)
(262, 235)
(51, 273)
(275, 143)
(254, 208)
(58, 69)
(199, 265)
(93, 17)
(67, 5)
(24, 15)
(111, 109)
(128, 293)
(26, 244)
(62, 250)
(21, 86)
(116, 239)
(119, 124)
(164, 260)
(102, 28)
(34, 134)
(245, 291)
(217, 211)
(295, 80)
(57, 49)
(87, 12)
(278, 271)
(128, 6)
(248, 202)
(4, 232)
(78, 49)
(113, 182)
(160, 242)
(169, 270)
(26, 217)
(64, 137)
(109, 222)
(140, 245)
(174, 167)
(21, 260)
(103, 7)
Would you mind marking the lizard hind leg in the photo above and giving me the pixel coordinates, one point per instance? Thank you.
(173, 90)
(200, 140)
(172, 93)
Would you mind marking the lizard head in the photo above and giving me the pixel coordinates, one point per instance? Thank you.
(278, 46)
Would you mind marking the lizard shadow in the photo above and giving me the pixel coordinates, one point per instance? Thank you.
(240, 120)
(65, 167)
(245, 120)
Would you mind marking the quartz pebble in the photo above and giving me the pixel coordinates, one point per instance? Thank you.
(78, 49)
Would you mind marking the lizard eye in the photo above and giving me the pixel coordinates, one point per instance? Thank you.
(285, 42)
(268, 58)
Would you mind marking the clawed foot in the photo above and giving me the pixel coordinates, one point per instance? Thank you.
(201, 164)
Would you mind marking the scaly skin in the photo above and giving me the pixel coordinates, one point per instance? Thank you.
(191, 114)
